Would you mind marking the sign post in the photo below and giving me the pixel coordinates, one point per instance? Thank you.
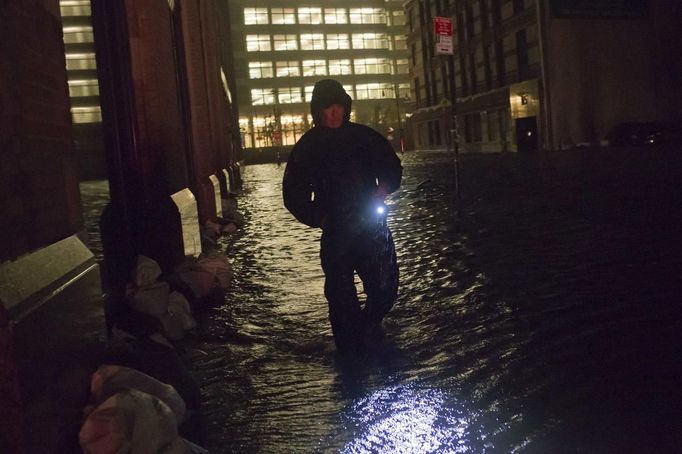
(442, 28)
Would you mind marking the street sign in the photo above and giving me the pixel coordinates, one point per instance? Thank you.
(442, 27)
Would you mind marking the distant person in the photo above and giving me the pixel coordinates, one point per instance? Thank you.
(337, 177)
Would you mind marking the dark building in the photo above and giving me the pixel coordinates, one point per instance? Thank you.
(543, 74)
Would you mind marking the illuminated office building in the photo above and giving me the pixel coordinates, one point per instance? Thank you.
(282, 48)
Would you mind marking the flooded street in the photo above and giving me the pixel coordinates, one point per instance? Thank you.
(543, 319)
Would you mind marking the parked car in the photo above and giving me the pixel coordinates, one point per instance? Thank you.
(644, 133)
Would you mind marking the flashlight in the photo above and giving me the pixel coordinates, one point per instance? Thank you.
(380, 211)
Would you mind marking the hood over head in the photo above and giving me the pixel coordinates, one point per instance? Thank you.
(325, 93)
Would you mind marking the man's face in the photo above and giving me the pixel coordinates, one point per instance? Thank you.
(332, 116)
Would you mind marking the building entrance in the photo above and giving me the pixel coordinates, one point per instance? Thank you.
(527, 134)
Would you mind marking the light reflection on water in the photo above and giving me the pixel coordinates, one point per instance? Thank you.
(519, 328)
(407, 419)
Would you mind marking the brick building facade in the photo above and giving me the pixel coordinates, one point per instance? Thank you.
(171, 144)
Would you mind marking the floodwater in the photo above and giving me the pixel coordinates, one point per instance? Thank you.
(544, 318)
(534, 321)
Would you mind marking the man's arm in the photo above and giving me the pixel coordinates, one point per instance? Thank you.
(297, 191)
(387, 167)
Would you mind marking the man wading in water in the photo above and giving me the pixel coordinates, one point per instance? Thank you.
(337, 177)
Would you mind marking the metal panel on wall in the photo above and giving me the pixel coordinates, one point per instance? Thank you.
(600, 9)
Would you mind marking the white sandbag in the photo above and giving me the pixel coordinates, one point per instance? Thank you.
(206, 273)
(179, 307)
(131, 421)
(219, 264)
(146, 271)
(111, 379)
(151, 299)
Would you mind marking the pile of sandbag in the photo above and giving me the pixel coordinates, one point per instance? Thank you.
(203, 276)
(230, 222)
(131, 412)
(148, 295)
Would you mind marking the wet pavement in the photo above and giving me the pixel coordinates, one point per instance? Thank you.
(544, 318)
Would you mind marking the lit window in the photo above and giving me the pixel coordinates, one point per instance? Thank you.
(402, 66)
(285, 16)
(81, 61)
(400, 42)
(350, 91)
(372, 66)
(398, 17)
(314, 68)
(262, 96)
(337, 41)
(310, 15)
(335, 16)
(88, 87)
(370, 41)
(373, 90)
(255, 43)
(339, 67)
(287, 69)
(285, 42)
(308, 92)
(253, 16)
(75, 8)
(92, 114)
(289, 95)
(312, 41)
(260, 69)
(78, 34)
(367, 16)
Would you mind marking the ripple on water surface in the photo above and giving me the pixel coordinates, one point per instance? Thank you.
(504, 337)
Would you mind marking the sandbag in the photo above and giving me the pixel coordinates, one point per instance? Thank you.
(111, 379)
(210, 271)
(131, 421)
(146, 271)
(179, 307)
(151, 299)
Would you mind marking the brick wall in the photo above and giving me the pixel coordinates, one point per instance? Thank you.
(39, 200)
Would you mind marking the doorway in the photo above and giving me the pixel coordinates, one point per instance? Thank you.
(527, 134)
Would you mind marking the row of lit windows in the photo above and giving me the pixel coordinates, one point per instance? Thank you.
(318, 16)
(321, 41)
(306, 68)
(290, 95)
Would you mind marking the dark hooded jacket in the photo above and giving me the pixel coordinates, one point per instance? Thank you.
(332, 173)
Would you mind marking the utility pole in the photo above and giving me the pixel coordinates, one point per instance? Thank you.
(444, 46)
(400, 121)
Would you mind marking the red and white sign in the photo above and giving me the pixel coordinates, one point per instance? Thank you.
(442, 27)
